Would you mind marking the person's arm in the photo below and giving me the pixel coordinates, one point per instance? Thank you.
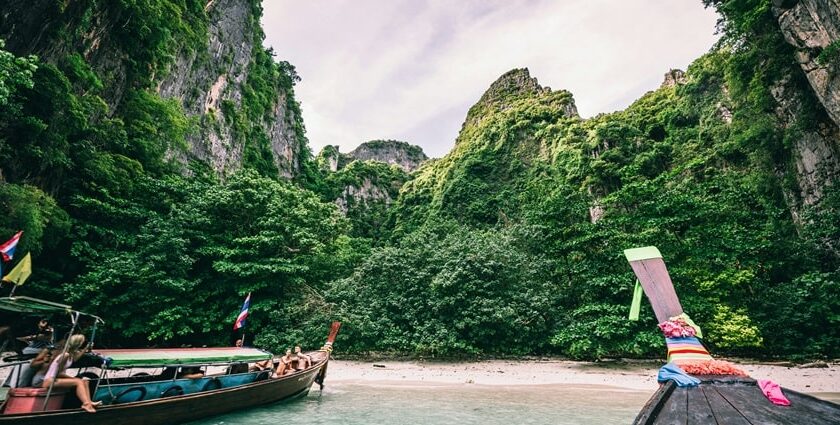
(45, 335)
(43, 358)
(281, 368)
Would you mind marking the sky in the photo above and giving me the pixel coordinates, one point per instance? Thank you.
(410, 69)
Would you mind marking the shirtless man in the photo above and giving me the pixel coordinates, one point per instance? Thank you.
(303, 361)
(285, 366)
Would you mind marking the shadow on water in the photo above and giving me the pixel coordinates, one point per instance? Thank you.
(358, 404)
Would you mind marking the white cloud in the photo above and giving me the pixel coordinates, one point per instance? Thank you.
(410, 69)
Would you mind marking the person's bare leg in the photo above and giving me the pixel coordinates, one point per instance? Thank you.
(81, 391)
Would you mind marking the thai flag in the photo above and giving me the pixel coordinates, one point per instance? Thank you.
(8, 248)
(243, 314)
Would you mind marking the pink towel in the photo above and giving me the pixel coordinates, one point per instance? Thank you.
(773, 392)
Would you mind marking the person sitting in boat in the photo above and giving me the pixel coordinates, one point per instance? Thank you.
(285, 366)
(40, 339)
(191, 372)
(238, 343)
(263, 365)
(39, 366)
(303, 360)
(57, 377)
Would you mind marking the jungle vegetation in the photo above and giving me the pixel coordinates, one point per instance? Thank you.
(491, 250)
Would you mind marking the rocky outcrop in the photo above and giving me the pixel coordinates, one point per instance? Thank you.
(363, 195)
(514, 85)
(392, 152)
(813, 28)
(816, 153)
(673, 78)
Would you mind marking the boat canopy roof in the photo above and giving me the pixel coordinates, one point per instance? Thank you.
(155, 357)
(38, 306)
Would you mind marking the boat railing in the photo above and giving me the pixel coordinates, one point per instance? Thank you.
(12, 373)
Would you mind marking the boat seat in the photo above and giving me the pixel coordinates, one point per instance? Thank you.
(31, 399)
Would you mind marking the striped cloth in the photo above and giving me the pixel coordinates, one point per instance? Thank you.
(686, 348)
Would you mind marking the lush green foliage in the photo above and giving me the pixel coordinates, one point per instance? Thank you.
(448, 290)
(703, 170)
(365, 190)
(15, 73)
(511, 244)
(115, 228)
(180, 275)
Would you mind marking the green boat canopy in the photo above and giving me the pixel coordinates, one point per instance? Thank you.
(32, 305)
(181, 356)
(37, 306)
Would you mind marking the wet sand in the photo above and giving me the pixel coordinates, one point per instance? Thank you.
(631, 375)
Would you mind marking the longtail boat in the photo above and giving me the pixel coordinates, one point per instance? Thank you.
(159, 398)
(716, 399)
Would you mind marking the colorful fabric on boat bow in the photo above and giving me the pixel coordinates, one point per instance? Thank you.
(693, 358)
(687, 348)
(773, 392)
(672, 372)
(680, 326)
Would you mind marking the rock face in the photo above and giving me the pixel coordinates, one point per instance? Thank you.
(816, 154)
(408, 157)
(392, 152)
(208, 83)
(673, 78)
(208, 80)
(513, 85)
(364, 194)
(813, 28)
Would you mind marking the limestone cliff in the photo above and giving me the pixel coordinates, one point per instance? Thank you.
(392, 152)
(365, 182)
(812, 27)
(481, 180)
(206, 54)
(209, 82)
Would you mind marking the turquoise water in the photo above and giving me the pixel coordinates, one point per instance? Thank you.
(362, 404)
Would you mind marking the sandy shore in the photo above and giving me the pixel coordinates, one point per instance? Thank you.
(629, 375)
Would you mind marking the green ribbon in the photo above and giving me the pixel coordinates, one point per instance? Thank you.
(637, 302)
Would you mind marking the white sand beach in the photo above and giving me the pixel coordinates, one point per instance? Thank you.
(631, 375)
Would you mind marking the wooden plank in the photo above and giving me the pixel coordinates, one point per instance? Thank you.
(653, 275)
(751, 404)
(723, 411)
(817, 411)
(651, 409)
(698, 411)
(674, 410)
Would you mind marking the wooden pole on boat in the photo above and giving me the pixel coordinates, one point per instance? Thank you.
(74, 318)
(328, 349)
(649, 267)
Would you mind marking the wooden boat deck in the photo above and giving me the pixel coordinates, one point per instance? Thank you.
(732, 401)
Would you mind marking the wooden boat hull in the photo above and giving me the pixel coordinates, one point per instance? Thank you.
(178, 409)
(732, 400)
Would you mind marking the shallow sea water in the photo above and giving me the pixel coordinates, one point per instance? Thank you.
(371, 404)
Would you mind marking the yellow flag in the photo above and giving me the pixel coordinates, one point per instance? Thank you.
(21, 272)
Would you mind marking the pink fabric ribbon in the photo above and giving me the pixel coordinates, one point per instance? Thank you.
(773, 392)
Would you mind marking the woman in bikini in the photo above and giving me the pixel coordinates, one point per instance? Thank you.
(57, 374)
